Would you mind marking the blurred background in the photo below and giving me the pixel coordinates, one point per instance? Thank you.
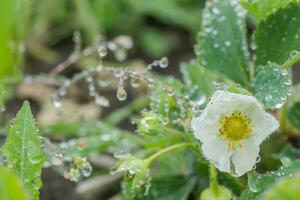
(35, 36)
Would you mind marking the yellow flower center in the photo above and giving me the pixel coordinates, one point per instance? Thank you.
(235, 127)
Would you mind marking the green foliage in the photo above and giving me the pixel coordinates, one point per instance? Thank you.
(272, 85)
(10, 36)
(163, 188)
(294, 115)
(137, 171)
(95, 137)
(277, 37)
(150, 124)
(197, 79)
(261, 9)
(222, 41)
(10, 186)
(259, 183)
(288, 188)
(23, 152)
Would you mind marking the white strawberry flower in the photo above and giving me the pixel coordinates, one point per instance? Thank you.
(231, 129)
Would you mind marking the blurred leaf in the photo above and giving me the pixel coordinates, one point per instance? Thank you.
(294, 115)
(186, 14)
(261, 9)
(10, 186)
(163, 188)
(277, 37)
(289, 152)
(288, 188)
(9, 47)
(87, 19)
(222, 41)
(158, 43)
(94, 137)
(163, 103)
(272, 85)
(23, 152)
(259, 183)
(196, 76)
(122, 113)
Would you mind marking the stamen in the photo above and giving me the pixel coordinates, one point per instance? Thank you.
(235, 127)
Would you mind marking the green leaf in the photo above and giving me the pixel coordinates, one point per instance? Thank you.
(259, 183)
(197, 77)
(222, 41)
(288, 188)
(94, 137)
(23, 152)
(163, 188)
(294, 115)
(272, 85)
(137, 170)
(289, 152)
(261, 9)
(10, 186)
(277, 37)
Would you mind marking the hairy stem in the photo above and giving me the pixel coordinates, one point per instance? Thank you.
(213, 178)
(150, 159)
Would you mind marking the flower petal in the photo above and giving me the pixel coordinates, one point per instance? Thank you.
(204, 130)
(218, 153)
(245, 158)
(263, 125)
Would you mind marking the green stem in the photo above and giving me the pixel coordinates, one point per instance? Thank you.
(150, 159)
(173, 131)
(213, 178)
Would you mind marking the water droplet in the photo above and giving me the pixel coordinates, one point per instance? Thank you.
(170, 91)
(124, 41)
(227, 43)
(57, 102)
(163, 62)
(216, 11)
(135, 83)
(252, 182)
(86, 170)
(103, 83)
(102, 101)
(120, 54)
(121, 93)
(102, 51)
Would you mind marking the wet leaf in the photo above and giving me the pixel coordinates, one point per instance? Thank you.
(288, 188)
(10, 186)
(222, 40)
(278, 36)
(196, 76)
(23, 152)
(272, 85)
(259, 183)
(261, 9)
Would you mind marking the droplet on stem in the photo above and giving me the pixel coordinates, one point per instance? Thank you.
(121, 93)
(163, 62)
(102, 51)
(57, 102)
